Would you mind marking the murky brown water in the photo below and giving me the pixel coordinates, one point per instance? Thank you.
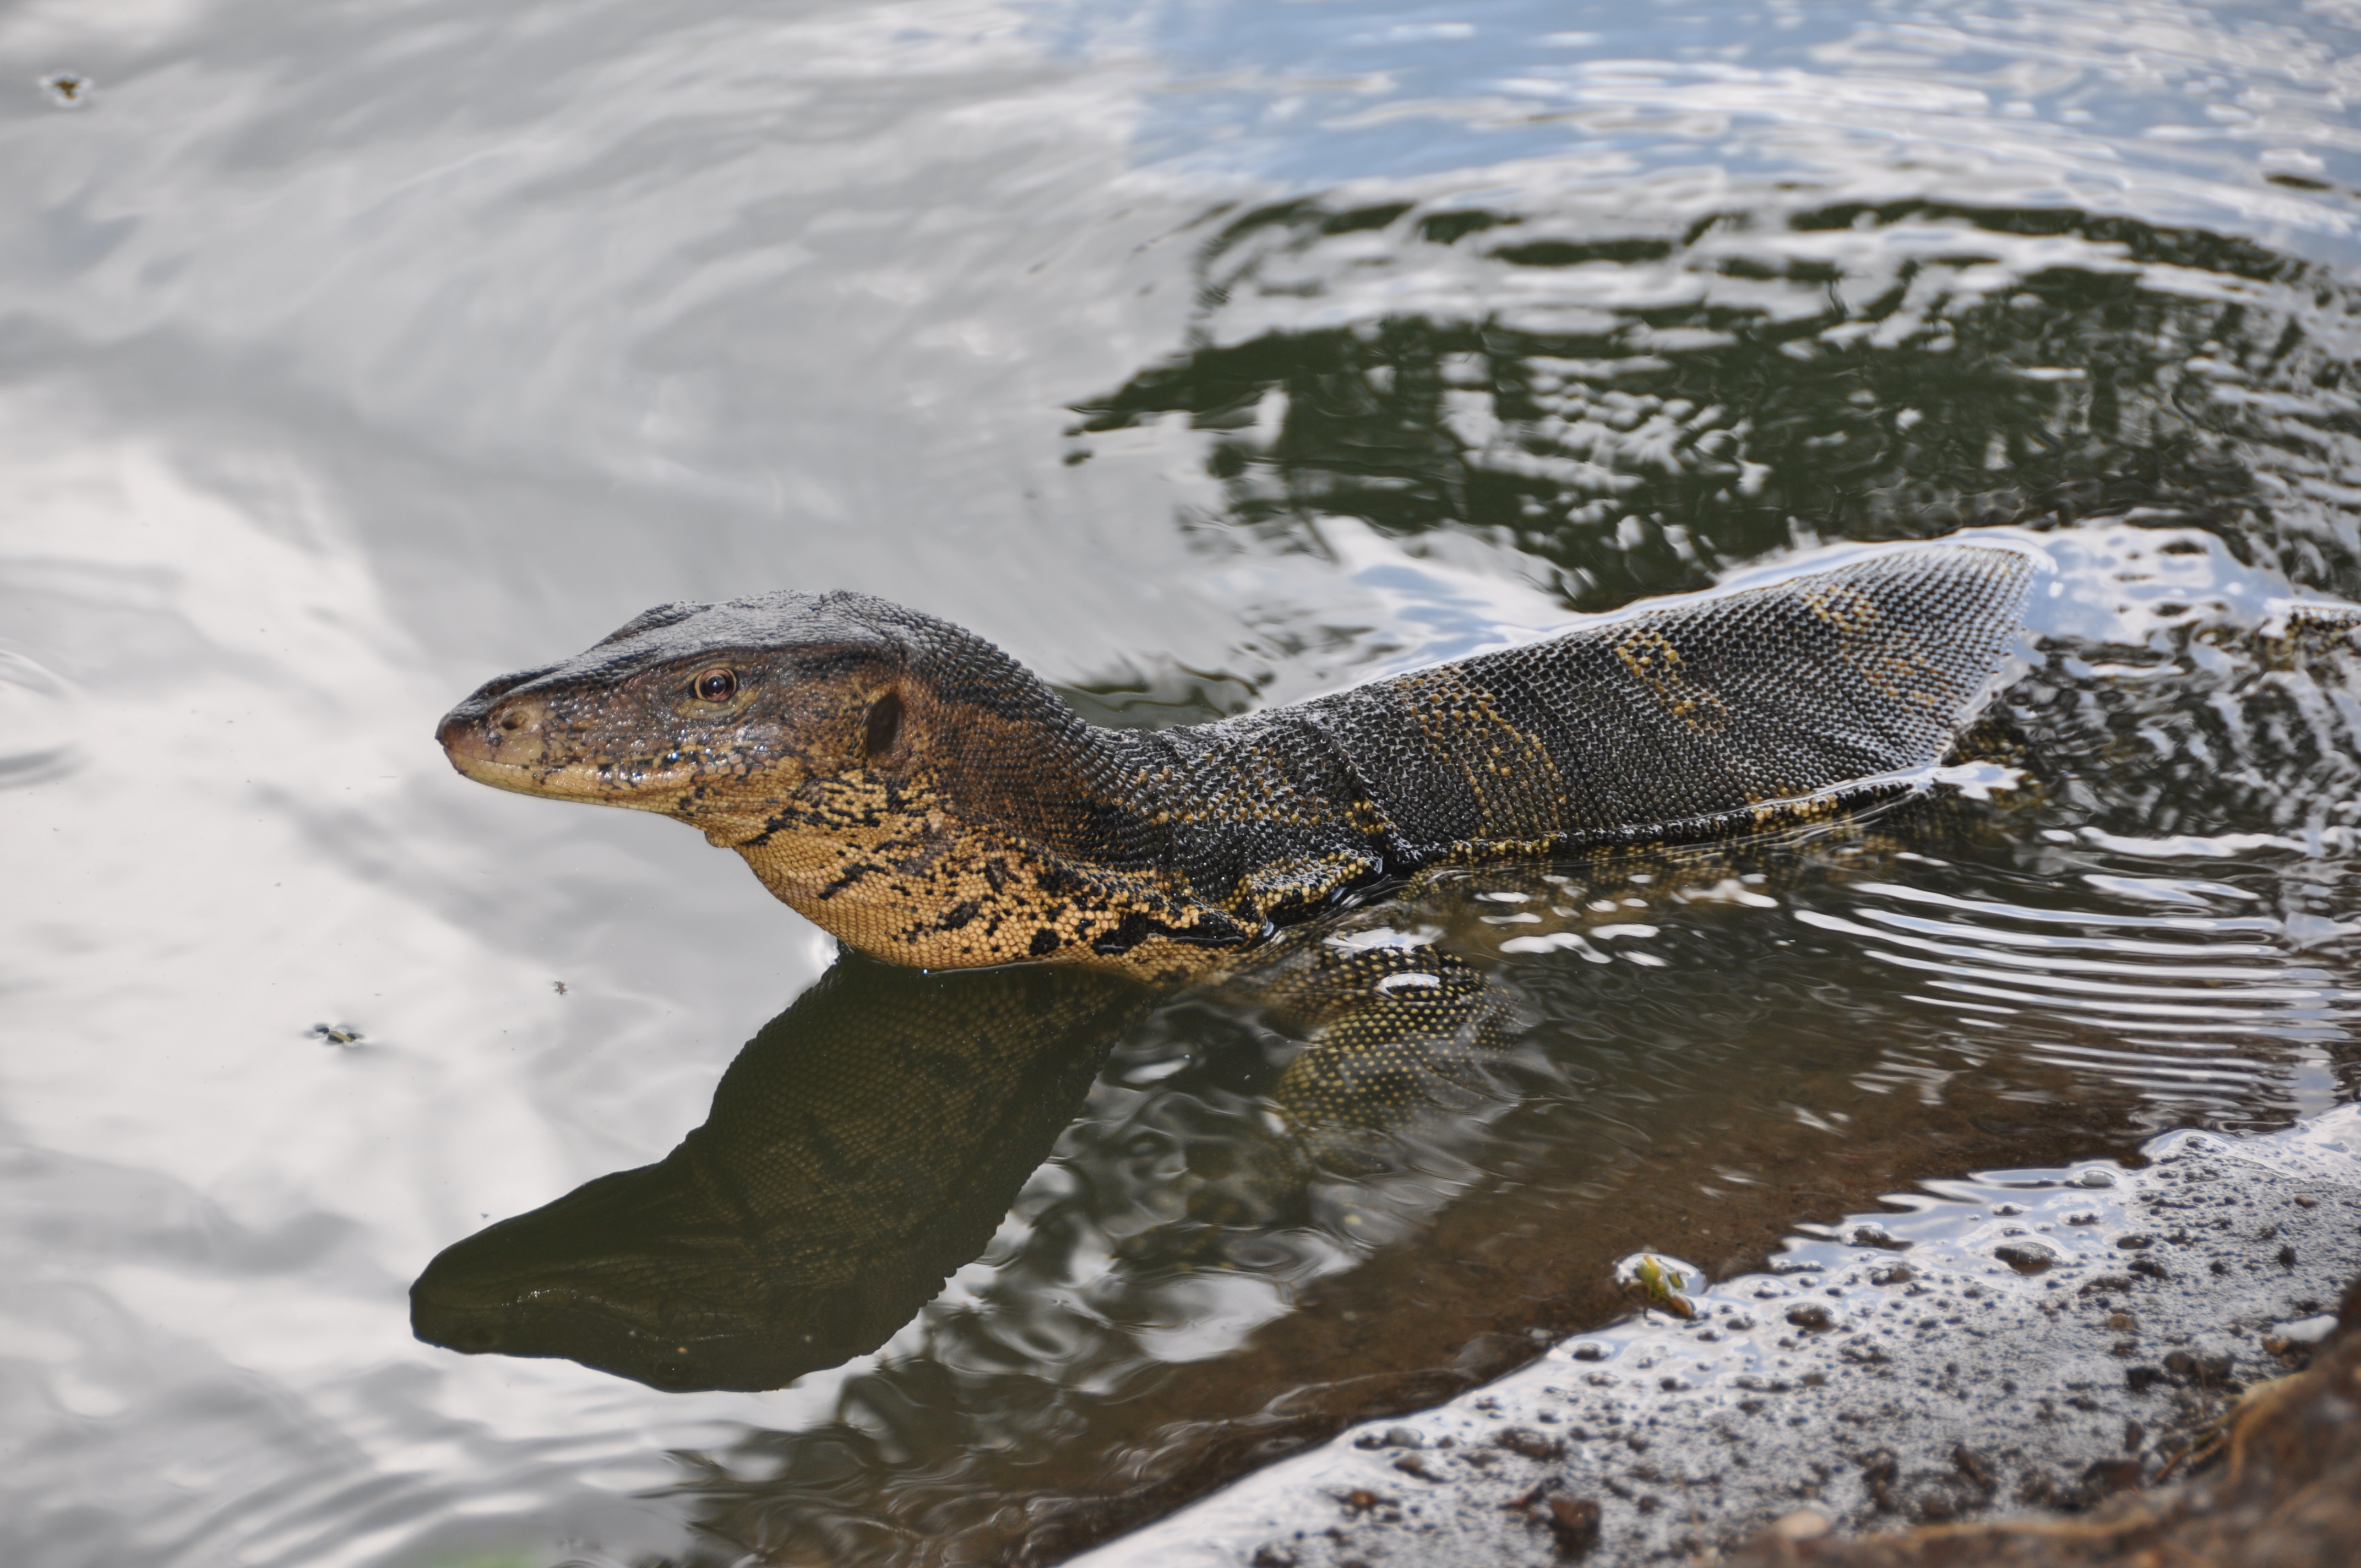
(1204, 359)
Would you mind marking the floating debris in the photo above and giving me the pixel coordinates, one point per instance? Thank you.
(2025, 1257)
(1658, 1281)
(67, 89)
(337, 1033)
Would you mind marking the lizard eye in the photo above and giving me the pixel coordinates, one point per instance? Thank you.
(716, 685)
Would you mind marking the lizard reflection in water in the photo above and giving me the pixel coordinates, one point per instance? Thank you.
(869, 1141)
(931, 803)
(864, 1145)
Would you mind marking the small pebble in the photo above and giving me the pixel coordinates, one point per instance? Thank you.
(1575, 1522)
(2309, 1331)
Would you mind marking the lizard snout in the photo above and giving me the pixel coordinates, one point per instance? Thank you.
(512, 731)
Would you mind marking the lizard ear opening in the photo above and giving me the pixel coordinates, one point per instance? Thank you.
(884, 726)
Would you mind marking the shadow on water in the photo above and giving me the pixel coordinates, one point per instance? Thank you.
(1704, 1048)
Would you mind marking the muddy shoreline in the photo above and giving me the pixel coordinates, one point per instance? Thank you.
(2043, 1342)
(2275, 1483)
(1477, 1305)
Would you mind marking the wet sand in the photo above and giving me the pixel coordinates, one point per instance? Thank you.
(2275, 1484)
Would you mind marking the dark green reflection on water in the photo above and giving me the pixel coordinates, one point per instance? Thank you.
(863, 1146)
(1642, 409)
(868, 1142)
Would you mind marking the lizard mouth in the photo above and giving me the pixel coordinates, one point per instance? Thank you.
(648, 1275)
(580, 1322)
(513, 744)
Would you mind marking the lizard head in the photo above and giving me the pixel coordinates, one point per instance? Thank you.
(887, 775)
(724, 715)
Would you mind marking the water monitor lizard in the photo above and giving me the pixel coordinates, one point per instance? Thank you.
(921, 796)
(929, 801)
(871, 1138)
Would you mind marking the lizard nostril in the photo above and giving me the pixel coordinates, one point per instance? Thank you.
(509, 733)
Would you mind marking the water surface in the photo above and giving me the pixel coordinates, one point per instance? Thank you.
(1203, 357)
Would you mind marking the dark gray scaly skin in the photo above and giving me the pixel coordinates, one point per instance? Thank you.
(924, 797)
